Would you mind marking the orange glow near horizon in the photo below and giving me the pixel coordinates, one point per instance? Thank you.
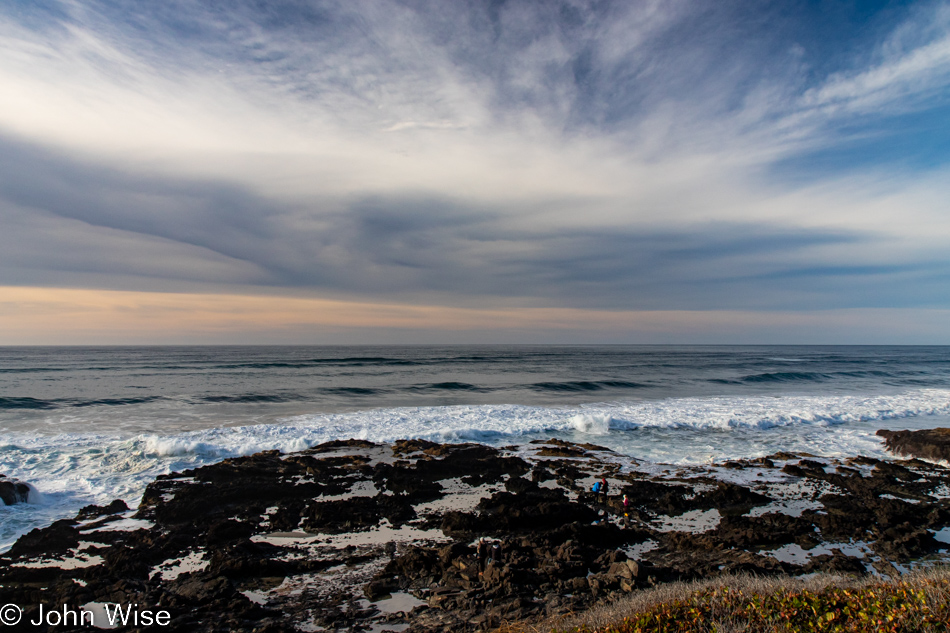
(36, 316)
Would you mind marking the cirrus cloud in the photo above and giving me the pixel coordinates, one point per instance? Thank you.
(575, 155)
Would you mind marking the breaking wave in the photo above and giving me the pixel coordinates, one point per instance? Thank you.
(73, 470)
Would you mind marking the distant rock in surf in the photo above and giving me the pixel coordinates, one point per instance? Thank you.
(933, 444)
(13, 491)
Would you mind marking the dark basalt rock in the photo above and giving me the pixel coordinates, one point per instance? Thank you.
(767, 531)
(533, 509)
(57, 539)
(13, 491)
(93, 511)
(350, 515)
(228, 531)
(924, 444)
(314, 534)
(572, 446)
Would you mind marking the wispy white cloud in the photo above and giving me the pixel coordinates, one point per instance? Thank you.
(577, 154)
(913, 64)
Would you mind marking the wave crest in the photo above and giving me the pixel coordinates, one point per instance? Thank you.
(592, 424)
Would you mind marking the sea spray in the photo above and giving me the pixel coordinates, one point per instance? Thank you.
(592, 424)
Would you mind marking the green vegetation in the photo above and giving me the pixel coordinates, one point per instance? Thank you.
(884, 607)
(918, 602)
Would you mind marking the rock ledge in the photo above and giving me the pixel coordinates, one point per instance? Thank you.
(932, 444)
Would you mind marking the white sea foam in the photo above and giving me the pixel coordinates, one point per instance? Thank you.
(69, 471)
(592, 424)
(176, 447)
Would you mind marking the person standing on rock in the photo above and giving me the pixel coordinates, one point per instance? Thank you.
(603, 488)
(626, 511)
(481, 550)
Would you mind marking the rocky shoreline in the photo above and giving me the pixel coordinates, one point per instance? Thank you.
(358, 536)
(930, 444)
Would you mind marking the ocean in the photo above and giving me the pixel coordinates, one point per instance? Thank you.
(89, 425)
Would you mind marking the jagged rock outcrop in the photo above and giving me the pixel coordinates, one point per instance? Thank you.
(13, 491)
(933, 444)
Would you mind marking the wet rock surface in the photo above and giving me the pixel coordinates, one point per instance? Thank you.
(931, 444)
(425, 537)
(13, 491)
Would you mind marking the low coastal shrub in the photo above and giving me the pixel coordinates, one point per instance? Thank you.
(832, 604)
(884, 607)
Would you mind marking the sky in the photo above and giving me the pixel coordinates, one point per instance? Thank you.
(480, 171)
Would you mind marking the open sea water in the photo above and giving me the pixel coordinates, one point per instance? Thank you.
(88, 425)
